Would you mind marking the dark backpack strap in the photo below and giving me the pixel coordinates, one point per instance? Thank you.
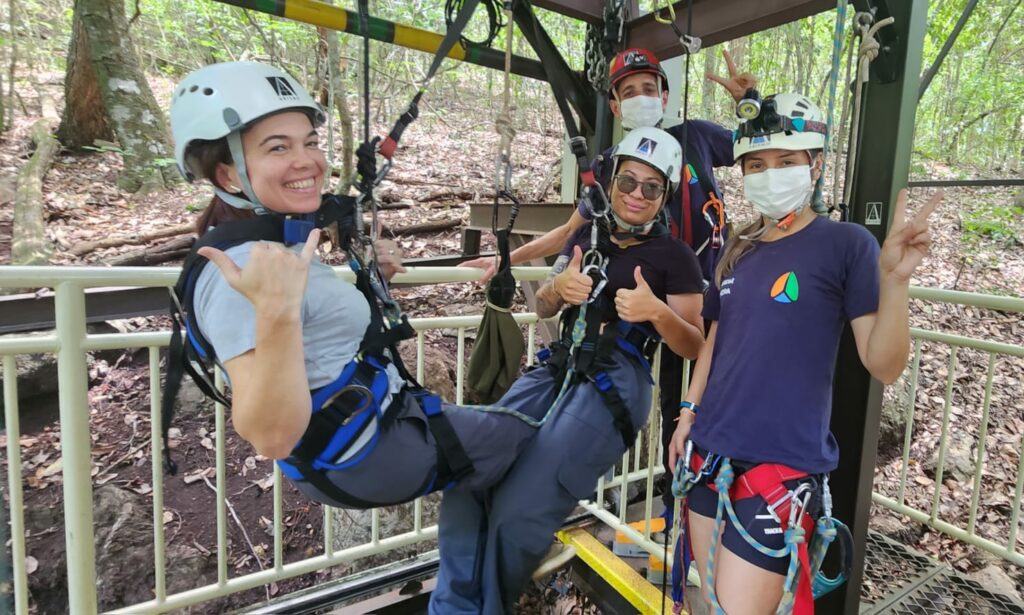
(453, 463)
(191, 353)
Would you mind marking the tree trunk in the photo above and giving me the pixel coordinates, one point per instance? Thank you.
(28, 235)
(137, 120)
(136, 238)
(341, 105)
(85, 118)
(707, 86)
(3, 114)
(176, 248)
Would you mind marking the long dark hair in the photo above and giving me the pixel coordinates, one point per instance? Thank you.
(203, 157)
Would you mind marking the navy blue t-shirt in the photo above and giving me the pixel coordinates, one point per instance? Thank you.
(780, 316)
(714, 146)
(668, 265)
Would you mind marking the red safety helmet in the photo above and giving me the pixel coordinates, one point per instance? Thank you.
(632, 61)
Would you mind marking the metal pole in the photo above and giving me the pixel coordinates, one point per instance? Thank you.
(338, 19)
(882, 169)
(75, 444)
(926, 79)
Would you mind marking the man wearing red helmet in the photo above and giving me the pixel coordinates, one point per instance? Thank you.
(638, 94)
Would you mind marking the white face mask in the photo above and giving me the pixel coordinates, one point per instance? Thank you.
(641, 112)
(776, 193)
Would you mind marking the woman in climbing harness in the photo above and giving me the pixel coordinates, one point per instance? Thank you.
(753, 440)
(624, 283)
(315, 378)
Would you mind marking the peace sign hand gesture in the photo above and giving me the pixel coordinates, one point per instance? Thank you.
(908, 241)
(274, 278)
(737, 83)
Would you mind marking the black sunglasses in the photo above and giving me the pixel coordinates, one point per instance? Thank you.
(627, 184)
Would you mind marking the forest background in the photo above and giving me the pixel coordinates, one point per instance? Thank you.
(100, 186)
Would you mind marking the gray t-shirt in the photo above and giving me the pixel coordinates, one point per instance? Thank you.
(335, 315)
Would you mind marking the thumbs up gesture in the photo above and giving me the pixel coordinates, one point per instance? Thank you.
(572, 284)
(638, 304)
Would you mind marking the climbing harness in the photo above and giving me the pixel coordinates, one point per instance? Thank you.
(806, 540)
(349, 414)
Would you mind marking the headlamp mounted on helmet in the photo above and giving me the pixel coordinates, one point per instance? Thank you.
(769, 121)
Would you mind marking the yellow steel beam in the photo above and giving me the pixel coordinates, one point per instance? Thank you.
(638, 591)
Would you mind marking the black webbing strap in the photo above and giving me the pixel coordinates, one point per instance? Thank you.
(452, 36)
(453, 463)
(182, 356)
(598, 374)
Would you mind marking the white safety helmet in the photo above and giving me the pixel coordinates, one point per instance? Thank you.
(655, 148)
(786, 121)
(220, 100)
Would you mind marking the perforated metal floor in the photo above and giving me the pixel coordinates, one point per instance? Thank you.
(900, 581)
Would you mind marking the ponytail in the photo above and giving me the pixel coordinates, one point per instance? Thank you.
(216, 212)
(738, 246)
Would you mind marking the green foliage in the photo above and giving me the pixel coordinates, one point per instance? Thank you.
(970, 116)
(998, 222)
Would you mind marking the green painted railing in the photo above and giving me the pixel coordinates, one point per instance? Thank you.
(641, 465)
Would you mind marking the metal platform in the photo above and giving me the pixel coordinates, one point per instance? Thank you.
(897, 580)
(900, 581)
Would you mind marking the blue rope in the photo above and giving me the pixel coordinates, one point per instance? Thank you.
(794, 537)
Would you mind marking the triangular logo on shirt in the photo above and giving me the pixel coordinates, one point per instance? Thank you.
(786, 288)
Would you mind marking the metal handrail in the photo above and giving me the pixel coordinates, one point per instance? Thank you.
(71, 342)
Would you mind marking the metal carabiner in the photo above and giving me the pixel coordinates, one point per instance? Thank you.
(691, 44)
(797, 506)
(596, 271)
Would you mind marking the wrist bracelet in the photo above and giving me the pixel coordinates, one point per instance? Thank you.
(689, 405)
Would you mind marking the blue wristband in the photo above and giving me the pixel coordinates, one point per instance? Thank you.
(689, 405)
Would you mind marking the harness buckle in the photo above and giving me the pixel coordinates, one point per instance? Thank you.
(365, 394)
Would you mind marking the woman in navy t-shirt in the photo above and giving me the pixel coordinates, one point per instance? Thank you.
(762, 386)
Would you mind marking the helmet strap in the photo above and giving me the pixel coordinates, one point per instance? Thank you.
(629, 231)
(237, 202)
(238, 156)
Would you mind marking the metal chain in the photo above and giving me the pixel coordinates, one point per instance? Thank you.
(602, 44)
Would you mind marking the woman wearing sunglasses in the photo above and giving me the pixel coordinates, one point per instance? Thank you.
(649, 290)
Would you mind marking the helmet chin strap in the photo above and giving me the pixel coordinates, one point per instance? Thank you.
(631, 230)
(238, 155)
